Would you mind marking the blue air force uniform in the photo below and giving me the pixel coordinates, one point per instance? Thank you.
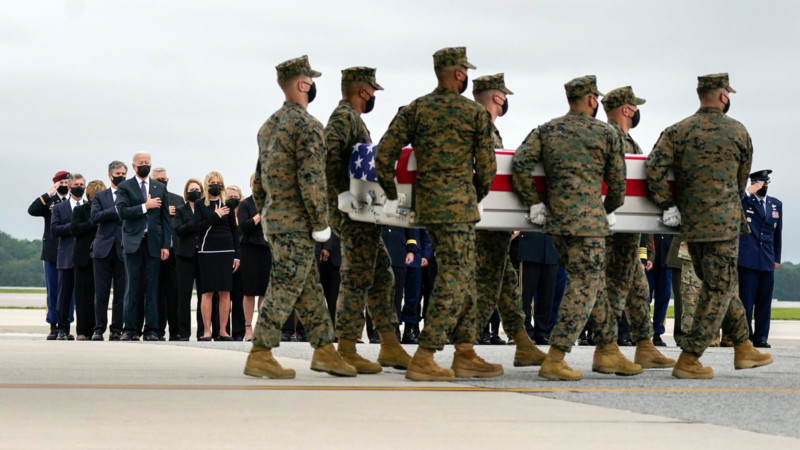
(758, 253)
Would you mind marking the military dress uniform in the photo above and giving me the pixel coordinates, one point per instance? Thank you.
(366, 269)
(759, 251)
(708, 197)
(578, 153)
(452, 141)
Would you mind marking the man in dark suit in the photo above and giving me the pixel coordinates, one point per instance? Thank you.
(660, 280)
(538, 268)
(42, 206)
(146, 234)
(60, 227)
(167, 274)
(759, 255)
(84, 231)
(109, 265)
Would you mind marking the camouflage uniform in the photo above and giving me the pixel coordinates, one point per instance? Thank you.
(495, 277)
(578, 153)
(690, 287)
(452, 141)
(366, 268)
(290, 193)
(710, 154)
(625, 277)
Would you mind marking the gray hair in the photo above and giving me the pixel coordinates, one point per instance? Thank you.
(114, 165)
(75, 176)
(159, 169)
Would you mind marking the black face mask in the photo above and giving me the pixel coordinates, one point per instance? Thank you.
(232, 203)
(143, 171)
(77, 191)
(762, 192)
(594, 111)
(163, 181)
(312, 92)
(117, 180)
(193, 196)
(370, 104)
(214, 190)
(62, 190)
(505, 108)
(727, 106)
(464, 86)
(635, 119)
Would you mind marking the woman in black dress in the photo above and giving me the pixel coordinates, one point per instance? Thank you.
(218, 253)
(256, 259)
(187, 267)
(238, 329)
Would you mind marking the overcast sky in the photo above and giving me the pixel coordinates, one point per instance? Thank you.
(85, 82)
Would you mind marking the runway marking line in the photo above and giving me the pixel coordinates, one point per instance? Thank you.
(386, 388)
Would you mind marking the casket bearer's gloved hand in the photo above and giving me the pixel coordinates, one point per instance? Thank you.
(321, 236)
(671, 217)
(612, 219)
(390, 207)
(538, 214)
(347, 202)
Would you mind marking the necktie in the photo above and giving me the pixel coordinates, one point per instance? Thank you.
(144, 190)
(761, 202)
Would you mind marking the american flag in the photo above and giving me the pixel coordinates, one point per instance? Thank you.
(362, 162)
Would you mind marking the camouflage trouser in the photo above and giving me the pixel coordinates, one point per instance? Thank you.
(718, 303)
(690, 291)
(584, 259)
(367, 278)
(452, 309)
(496, 281)
(626, 287)
(293, 283)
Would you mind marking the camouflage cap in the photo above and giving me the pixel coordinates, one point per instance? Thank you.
(451, 56)
(361, 73)
(714, 81)
(760, 175)
(487, 82)
(621, 96)
(294, 67)
(578, 87)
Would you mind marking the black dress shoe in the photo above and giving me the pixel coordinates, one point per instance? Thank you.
(53, 333)
(374, 340)
(762, 344)
(624, 342)
(204, 339)
(115, 336)
(61, 337)
(408, 336)
(658, 342)
(151, 337)
(496, 340)
(162, 338)
(302, 337)
(127, 336)
(541, 340)
(97, 337)
(286, 337)
(224, 339)
(183, 339)
(484, 339)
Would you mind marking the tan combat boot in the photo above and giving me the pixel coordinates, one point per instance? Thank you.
(467, 364)
(260, 363)
(649, 357)
(555, 368)
(423, 368)
(526, 354)
(326, 359)
(715, 341)
(392, 353)
(347, 350)
(608, 359)
(745, 356)
(689, 367)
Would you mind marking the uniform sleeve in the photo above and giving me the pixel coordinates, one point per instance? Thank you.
(338, 136)
(41, 206)
(60, 225)
(522, 164)
(259, 194)
(389, 149)
(778, 239)
(483, 152)
(615, 173)
(747, 161)
(311, 174)
(126, 208)
(657, 168)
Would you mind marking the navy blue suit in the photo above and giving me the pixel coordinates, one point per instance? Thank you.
(43, 207)
(538, 268)
(660, 280)
(399, 241)
(758, 253)
(109, 263)
(142, 250)
(60, 228)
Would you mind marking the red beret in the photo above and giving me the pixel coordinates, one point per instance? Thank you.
(60, 175)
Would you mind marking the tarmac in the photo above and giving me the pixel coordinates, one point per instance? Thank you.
(193, 395)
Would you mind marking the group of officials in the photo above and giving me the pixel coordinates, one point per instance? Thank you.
(302, 188)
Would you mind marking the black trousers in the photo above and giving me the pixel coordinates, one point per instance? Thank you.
(399, 288)
(237, 323)
(84, 299)
(140, 267)
(539, 282)
(330, 278)
(65, 304)
(108, 271)
(168, 296)
(187, 276)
